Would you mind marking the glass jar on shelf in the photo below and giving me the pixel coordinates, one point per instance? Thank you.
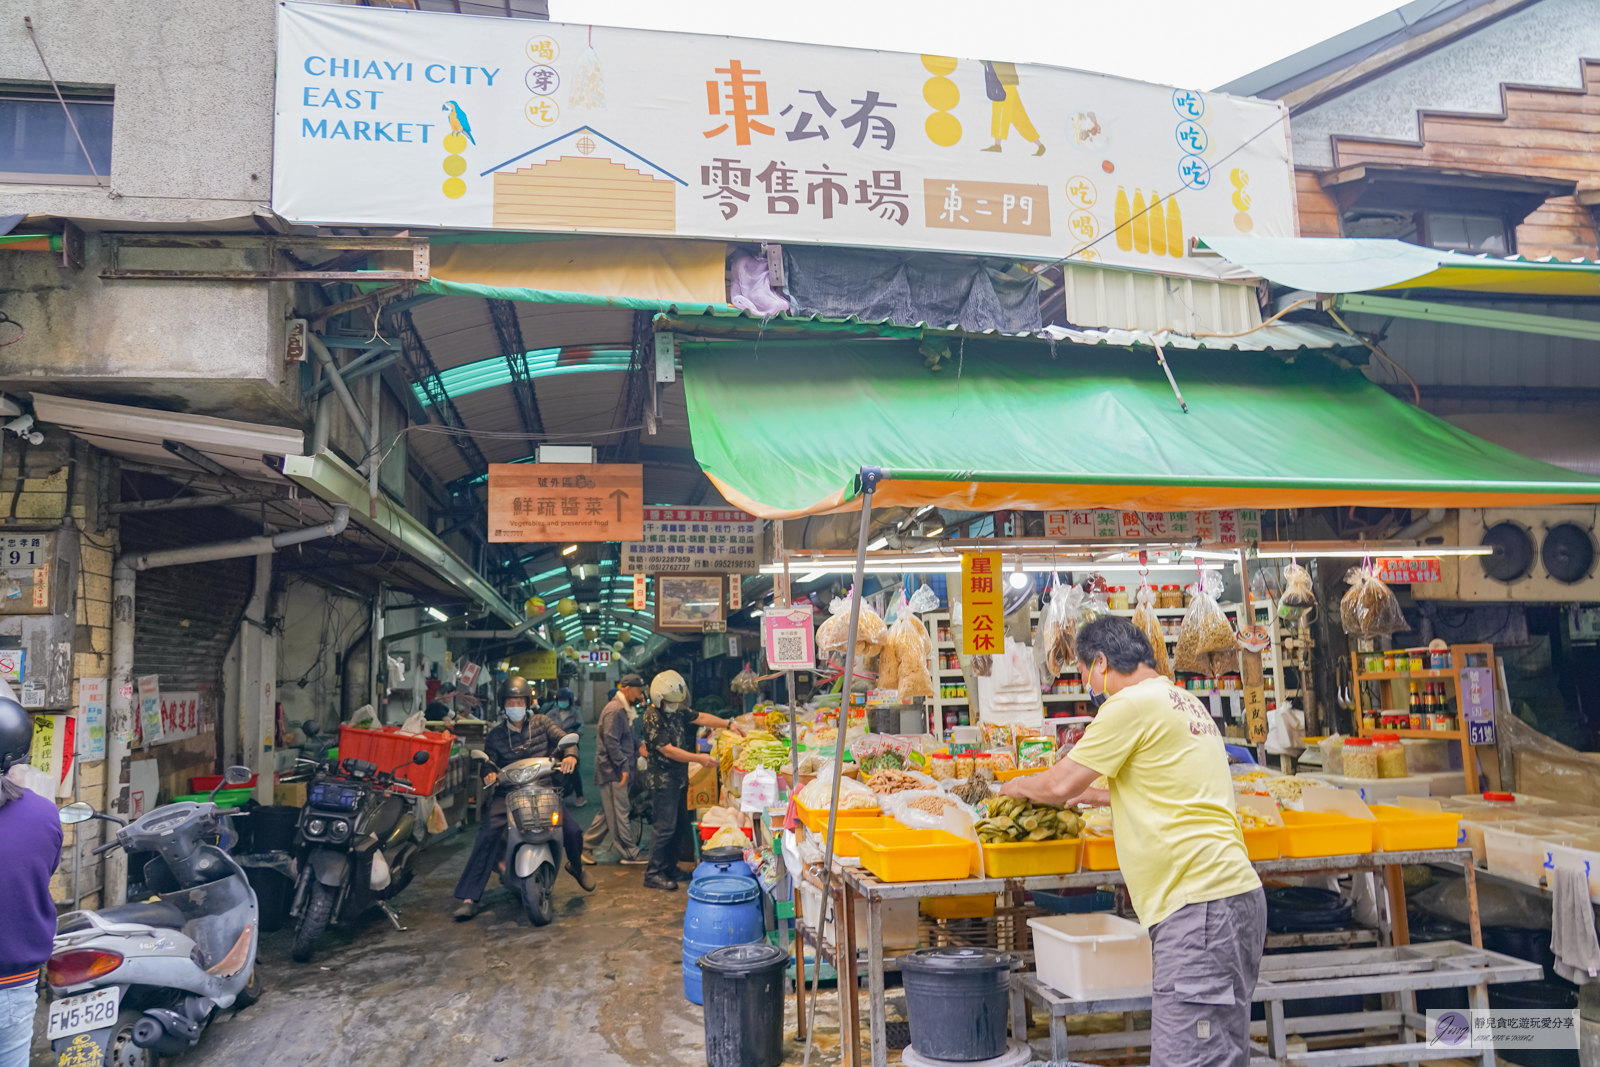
(1360, 761)
(1391, 755)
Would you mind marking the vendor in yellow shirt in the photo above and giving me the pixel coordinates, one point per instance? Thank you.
(1179, 843)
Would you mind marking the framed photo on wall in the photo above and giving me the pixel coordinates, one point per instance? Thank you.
(689, 601)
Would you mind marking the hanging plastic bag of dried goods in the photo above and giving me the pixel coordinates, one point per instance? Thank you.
(1369, 609)
(1205, 629)
(971, 666)
(1051, 635)
(1298, 594)
(745, 681)
(909, 646)
(1145, 618)
(834, 632)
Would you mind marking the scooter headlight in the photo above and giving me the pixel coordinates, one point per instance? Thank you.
(339, 830)
(315, 827)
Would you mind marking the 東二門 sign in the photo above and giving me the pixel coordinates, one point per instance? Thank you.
(411, 118)
(565, 501)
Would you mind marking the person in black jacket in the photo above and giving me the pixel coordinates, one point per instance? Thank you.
(521, 736)
(30, 830)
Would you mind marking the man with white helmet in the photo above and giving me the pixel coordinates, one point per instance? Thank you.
(666, 729)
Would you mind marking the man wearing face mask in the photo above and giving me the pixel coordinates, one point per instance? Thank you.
(667, 729)
(521, 736)
(613, 766)
(1179, 843)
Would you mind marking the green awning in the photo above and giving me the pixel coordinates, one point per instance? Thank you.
(784, 430)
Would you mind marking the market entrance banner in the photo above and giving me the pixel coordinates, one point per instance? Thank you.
(407, 118)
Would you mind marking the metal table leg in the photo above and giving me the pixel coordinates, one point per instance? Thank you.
(1019, 1012)
(845, 965)
(1277, 1033)
(875, 1000)
(1478, 998)
(800, 968)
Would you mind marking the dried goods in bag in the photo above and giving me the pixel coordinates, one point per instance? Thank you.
(835, 630)
(1205, 630)
(745, 681)
(1298, 594)
(1145, 618)
(1369, 608)
(909, 646)
(1054, 641)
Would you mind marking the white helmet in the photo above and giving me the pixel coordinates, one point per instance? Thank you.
(668, 687)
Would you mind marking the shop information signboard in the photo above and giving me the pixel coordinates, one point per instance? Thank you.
(1394, 570)
(412, 118)
(983, 617)
(565, 501)
(695, 539)
(1233, 526)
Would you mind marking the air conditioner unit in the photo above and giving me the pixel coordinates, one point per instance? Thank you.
(1542, 554)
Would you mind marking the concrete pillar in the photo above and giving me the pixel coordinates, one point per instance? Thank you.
(119, 723)
(258, 683)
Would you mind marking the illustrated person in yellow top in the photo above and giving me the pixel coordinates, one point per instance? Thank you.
(1005, 106)
(1179, 843)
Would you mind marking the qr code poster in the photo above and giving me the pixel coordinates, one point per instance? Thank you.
(790, 642)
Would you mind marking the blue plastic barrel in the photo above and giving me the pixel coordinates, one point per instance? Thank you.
(723, 910)
(722, 861)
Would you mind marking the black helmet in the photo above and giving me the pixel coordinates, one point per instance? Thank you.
(516, 687)
(16, 734)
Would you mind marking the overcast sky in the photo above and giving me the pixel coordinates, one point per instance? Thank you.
(1195, 44)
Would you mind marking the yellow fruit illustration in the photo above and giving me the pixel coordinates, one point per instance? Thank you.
(1158, 225)
(454, 143)
(942, 94)
(943, 129)
(1241, 200)
(1140, 224)
(454, 188)
(1174, 228)
(1119, 219)
(1243, 223)
(455, 166)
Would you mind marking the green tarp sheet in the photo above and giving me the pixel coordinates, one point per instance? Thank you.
(784, 429)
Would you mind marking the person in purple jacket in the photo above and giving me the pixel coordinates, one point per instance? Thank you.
(30, 836)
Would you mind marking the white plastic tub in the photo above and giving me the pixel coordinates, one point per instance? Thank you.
(1378, 790)
(1093, 956)
(899, 919)
(1514, 852)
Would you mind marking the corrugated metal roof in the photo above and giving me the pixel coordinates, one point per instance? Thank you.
(1277, 337)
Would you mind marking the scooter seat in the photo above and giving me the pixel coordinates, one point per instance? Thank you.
(158, 913)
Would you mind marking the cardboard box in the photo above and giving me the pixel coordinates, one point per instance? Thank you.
(703, 787)
(289, 794)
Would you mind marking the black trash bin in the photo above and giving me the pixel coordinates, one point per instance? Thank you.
(958, 1002)
(743, 995)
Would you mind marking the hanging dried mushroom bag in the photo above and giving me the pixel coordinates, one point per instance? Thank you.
(1205, 630)
(1369, 608)
(1145, 618)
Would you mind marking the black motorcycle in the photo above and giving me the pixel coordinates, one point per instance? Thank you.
(355, 841)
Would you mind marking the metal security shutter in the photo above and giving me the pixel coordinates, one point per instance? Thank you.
(184, 620)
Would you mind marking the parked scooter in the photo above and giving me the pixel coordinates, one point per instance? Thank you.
(533, 828)
(136, 982)
(359, 850)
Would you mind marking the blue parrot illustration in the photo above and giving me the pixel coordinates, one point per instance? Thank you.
(458, 120)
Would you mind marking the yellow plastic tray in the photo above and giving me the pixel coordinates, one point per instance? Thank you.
(1023, 859)
(915, 855)
(1308, 833)
(1016, 772)
(1263, 842)
(845, 842)
(973, 907)
(1099, 852)
(816, 820)
(1400, 830)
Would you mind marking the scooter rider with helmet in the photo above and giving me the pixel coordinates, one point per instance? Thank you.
(30, 829)
(524, 734)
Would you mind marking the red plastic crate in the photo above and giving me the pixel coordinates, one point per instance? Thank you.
(205, 783)
(389, 749)
(707, 831)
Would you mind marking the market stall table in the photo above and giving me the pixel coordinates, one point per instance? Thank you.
(1469, 967)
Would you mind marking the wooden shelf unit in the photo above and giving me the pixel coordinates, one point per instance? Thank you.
(1391, 682)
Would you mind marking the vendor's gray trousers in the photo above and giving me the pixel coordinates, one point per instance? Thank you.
(613, 819)
(1207, 957)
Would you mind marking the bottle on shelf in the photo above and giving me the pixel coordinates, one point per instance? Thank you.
(1415, 707)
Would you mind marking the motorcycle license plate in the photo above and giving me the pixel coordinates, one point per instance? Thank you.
(86, 1011)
